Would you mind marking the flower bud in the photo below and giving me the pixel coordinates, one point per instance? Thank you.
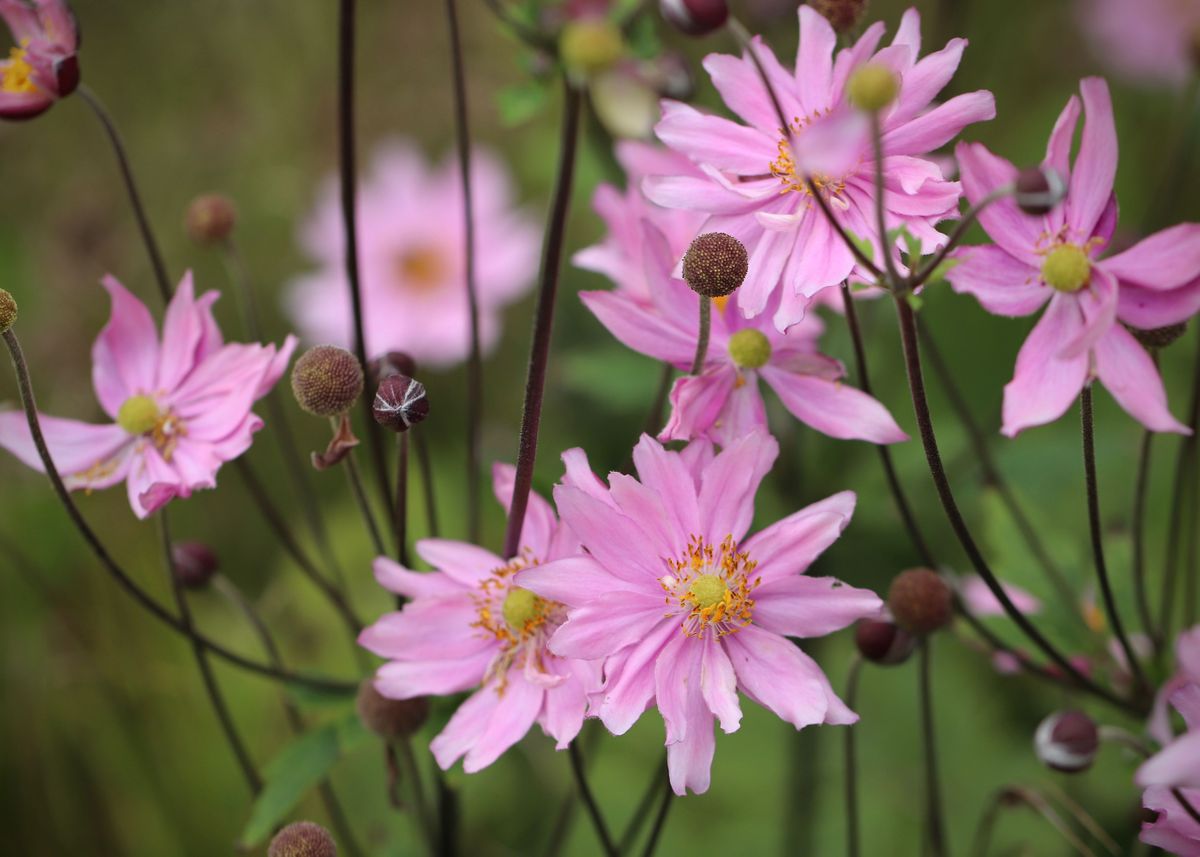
(194, 563)
(842, 15)
(8, 311)
(303, 839)
(590, 46)
(1038, 190)
(391, 363)
(872, 87)
(920, 601)
(210, 218)
(1158, 337)
(327, 380)
(390, 718)
(695, 17)
(1067, 741)
(674, 77)
(715, 264)
(400, 403)
(883, 642)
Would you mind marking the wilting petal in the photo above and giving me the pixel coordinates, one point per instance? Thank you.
(802, 606)
(1045, 384)
(1131, 376)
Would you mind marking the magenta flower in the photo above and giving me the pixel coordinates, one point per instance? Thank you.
(468, 625)
(43, 66)
(412, 261)
(1055, 261)
(181, 407)
(751, 189)
(684, 609)
(1148, 40)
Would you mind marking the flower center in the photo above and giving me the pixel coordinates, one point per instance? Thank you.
(422, 268)
(141, 416)
(1066, 268)
(710, 587)
(749, 349)
(16, 74)
(522, 610)
(509, 613)
(784, 167)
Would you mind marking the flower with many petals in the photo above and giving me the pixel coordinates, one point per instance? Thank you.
(469, 625)
(42, 67)
(753, 189)
(411, 258)
(1055, 261)
(1156, 41)
(180, 406)
(687, 611)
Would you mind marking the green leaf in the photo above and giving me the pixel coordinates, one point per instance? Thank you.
(299, 767)
(912, 245)
(521, 102)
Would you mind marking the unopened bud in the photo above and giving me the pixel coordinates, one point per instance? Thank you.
(1158, 337)
(327, 380)
(210, 218)
(303, 839)
(695, 17)
(1038, 190)
(715, 264)
(675, 78)
(872, 87)
(842, 15)
(883, 642)
(390, 718)
(194, 563)
(8, 311)
(1067, 741)
(920, 601)
(391, 363)
(590, 46)
(400, 403)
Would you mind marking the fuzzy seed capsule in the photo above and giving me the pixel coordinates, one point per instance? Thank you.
(390, 718)
(194, 564)
(695, 17)
(920, 601)
(883, 642)
(400, 403)
(303, 839)
(715, 264)
(210, 218)
(842, 15)
(327, 381)
(1067, 741)
(1158, 337)
(8, 311)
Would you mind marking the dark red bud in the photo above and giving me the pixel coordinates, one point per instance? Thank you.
(695, 17)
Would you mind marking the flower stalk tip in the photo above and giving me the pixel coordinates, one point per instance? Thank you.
(8, 311)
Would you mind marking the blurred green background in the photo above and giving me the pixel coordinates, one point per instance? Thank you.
(107, 744)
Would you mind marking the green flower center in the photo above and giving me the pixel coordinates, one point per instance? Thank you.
(138, 415)
(1067, 268)
(707, 590)
(749, 349)
(521, 607)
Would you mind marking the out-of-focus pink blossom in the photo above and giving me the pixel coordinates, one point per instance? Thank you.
(981, 601)
(1153, 41)
(43, 66)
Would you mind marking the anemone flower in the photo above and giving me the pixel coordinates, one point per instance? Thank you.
(43, 66)
(1152, 41)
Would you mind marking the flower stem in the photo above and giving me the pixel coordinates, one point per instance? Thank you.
(425, 465)
(1094, 525)
(1138, 525)
(462, 135)
(702, 336)
(122, 578)
(933, 797)
(885, 246)
(660, 821)
(589, 800)
(539, 353)
(215, 698)
(400, 521)
(364, 505)
(658, 782)
(851, 763)
(135, 199)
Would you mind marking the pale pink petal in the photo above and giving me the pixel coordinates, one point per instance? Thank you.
(791, 545)
(834, 408)
(413, 584)
(778, 676)
(125, 355)
(940, 125)
(1058, 148)
(518, 708)
(629, 684)
(1098, 304)
(745, 413)
(605, 625)
(466, 727)
(75, 447)
(719, 685)
(1177, 764)
(640, 328)
(540, 522)
(716, 141)
(1129, 374)
(565, 705)
(697, 401)
(1044, 384)
(690, 739)
(814, 60)
(1166, 260)
(740, 87)
(666, 473)
(1002, 284)
(802, 606)
(1096, 164)
(1016, 232)
(616, 542)
(728, 486)
(646, 509)
(981, 601)
(406, 679)
(429, 629)
(926, 79)
(183, 330)
(465, 563)
(1150, 309)
(573, 581)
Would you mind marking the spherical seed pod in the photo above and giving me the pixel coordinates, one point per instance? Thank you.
(842, 15)
(1038, 190)
(327, 380)
(390, 718)
(883, 642)
(210, 218)
(303, 839)
(194, 563)
(1158, 337)
(872, 87)
(8, 311)
(1067, 741)
(400, 403)
(920, 601)
(715, 264)
(391, 363)
(695, 17)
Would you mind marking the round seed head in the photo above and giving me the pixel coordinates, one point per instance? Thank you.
(327, 380)
(210, 218)
(8, 311)
(715, 264)
(883, 642)
(390, 718)
(302, 839)
(842, 15)
(1158, 337)
(920, 601)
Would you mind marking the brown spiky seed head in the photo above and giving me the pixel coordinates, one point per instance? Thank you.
(920, 601)
(715, 264)
(842, 15)
(303, 839)
(327, 380)
(390, 718)
(1158, 337)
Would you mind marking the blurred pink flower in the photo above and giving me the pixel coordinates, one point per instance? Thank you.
(1053, 260)
(42, 67)
(751, 189)
(982, 602)
(469, 625)
(1173, 828)
(1154, 41)
(411, 258)
(686, 610)
(181, 408)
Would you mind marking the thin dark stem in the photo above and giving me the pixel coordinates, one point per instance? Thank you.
(539, 353)
(956, 236)
(364, 505)
(885, 246)
(851, 763)
(425, 465)
(702, 336)
(462, 133)
(420, 803)
(213, 691)
(1186, 804)
(933, 795)
(1097, 534)
(1181, 488)
(658, 782)
(562, 826)
(400, 521)
(447, 801)
(135, 199)
(654, 419)
(122, 578)
(589, 800)
(660, 821)
(1138, 525)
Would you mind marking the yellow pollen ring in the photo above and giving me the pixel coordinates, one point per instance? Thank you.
(707, 590)
(16, 74)
(138, 415)
(521, 609)
(1067, 268)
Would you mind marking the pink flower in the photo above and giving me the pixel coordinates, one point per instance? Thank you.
(43, 67)
(981, 601)
(1054, 261)
(1148, 40)
(1173, 828)
(723, 403)
(469, 625)
(181, 408)
(684, 609)
(751, 189)
(411, 258)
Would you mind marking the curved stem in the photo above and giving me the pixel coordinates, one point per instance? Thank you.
(660, 821)
(425, 465)
(885, 245)
(702, 335)
(1180, 490)
(851, 763)
(400, 521)
(933, 796)
(1138, 525)
(956, 236)
(589, 800)
(539, 352)
(658, 782)
(135, 198)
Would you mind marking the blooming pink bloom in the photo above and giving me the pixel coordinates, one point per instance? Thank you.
(42, 67)
(751, 189)
(685, 609)
(181, 407)
(411, 258)
(469, 625)
(1149, 40)
(1053, 260)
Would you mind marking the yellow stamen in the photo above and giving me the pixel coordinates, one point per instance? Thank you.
(16, 74)
(422, 267)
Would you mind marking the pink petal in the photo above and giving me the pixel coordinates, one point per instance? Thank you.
(719, 685)
(1058, 148)
(728, 486)
(647, 510)
(573, 581)
(540, 522)
(183, 331)
(778, 676)
(414, 584)
(566, 705)
(802, 606)
(1131, 377)
(640, 328)
(75, 447)
(814, 61)
(742, 90)
(1096, 164)
(605, 625)
(712, 140)
(629, 685)
(697, 401)
(926, 79)
(981, 601)
(982, 172)
(1166, 260)
(744, 413)
(466, 727)
(429, 629)
(1002, 284)
(940, 125)
(616, 542)
(695, 193)
(465, 563)
(791, 545)
(690, 739)
(1177, 764)
(1098, 303)
(834, 408)
(1045, 384)
(667, 474)
(1150, 309)
(406, 679)
(515, 712)
(125, 355)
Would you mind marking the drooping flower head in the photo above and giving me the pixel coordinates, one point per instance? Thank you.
(180, 405)
(413, 268)
(687, 611)
(1154, 41)
(469, 625)
(1055, 260)
(42, 67)
(752, 188)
